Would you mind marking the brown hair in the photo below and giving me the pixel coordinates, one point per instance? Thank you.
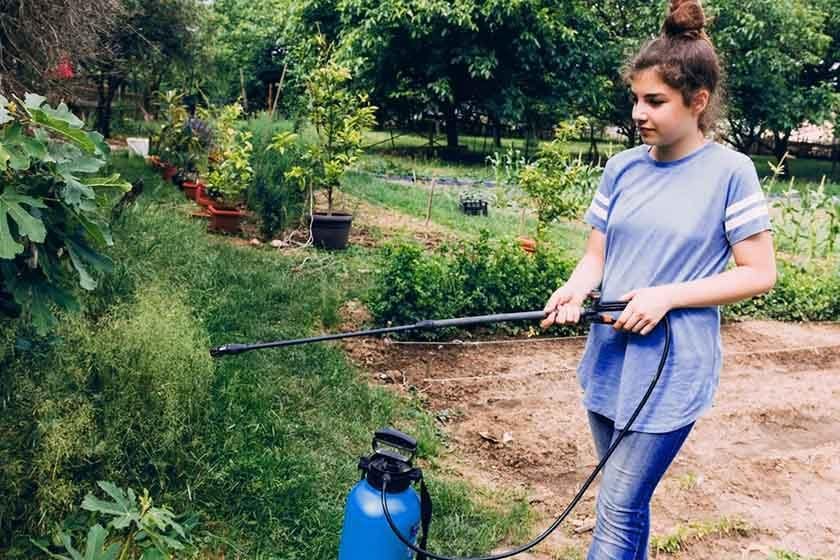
(684, 57)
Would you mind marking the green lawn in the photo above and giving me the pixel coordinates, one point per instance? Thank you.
(500, 222)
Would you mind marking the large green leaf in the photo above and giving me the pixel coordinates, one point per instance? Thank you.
(18, 149)
(123, 505)
(64, 129)
(28, 225)
(82, 256)
(112, 182)
(96, 542)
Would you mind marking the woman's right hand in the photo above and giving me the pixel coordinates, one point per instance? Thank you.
(563, 306)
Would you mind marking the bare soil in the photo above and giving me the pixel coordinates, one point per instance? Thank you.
(767, 454)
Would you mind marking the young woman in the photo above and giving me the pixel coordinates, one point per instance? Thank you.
(666, 218)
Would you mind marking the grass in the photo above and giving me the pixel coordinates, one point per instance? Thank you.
(413, 200)
(281, 443)
(680, 539)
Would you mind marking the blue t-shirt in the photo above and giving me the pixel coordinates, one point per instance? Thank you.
(666, 222)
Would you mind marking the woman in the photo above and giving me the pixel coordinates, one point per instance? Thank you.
(666, 218)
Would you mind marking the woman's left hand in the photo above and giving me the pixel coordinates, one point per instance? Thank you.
(645, 309)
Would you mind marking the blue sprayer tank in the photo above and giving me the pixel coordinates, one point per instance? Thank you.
(366, 534)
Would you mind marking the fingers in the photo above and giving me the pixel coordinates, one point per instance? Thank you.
(548, 321)
(566, 313)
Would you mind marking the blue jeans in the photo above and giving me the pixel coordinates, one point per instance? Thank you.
(628, 480)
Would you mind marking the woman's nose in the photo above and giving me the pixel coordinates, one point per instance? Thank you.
(639, 115)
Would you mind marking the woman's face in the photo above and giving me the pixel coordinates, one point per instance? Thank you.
(660, 112)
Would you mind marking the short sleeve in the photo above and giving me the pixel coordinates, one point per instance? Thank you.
(596, 214)
(746, 207)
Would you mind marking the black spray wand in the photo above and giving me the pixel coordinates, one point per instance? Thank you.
(592, 314)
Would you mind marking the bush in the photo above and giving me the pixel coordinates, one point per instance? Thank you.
(472, 279)
(123, 401)
(277, 200)
(802, 293)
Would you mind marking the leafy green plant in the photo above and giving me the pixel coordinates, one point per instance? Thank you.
(275, 198)
(340, 116)
(557, 184)
(177, 143)
(141, 529)
(507, 165)
(469, 279)
(230, 168)
(51, 205)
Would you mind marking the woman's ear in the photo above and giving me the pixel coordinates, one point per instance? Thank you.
(700, 101)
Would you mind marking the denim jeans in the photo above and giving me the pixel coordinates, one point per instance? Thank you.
(628, 480)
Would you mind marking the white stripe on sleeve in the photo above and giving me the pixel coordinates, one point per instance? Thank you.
(756, 212)
(597, 210)
(605, 202)
(741, 204)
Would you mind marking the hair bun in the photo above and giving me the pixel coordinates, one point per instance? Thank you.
(685, 18)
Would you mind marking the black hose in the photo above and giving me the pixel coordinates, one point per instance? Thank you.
(666, 348)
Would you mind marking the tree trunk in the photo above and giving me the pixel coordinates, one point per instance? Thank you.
(497, 133)
(106, 89)
(451, 128)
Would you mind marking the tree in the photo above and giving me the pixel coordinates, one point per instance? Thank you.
(769, 48)
(524, 61)
(625, 25)
(35, 35)
(150, 37)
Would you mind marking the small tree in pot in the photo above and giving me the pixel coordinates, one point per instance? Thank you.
(230, 171)
(339, 117)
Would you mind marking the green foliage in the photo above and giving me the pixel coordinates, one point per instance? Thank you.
(523, 62)
(51, 205)
(340, 118)
(276, 198)
(770, 50)
(683, 535)
(472, 279)
(149, 532)
(801, 293)
(125, 399)
(558, 185)
(176, 142)
(230, 171)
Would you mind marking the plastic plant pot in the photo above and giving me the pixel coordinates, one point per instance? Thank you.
(224, 221)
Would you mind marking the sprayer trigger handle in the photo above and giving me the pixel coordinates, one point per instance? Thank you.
(396, 439)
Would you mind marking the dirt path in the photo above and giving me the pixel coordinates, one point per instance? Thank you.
(767, 454)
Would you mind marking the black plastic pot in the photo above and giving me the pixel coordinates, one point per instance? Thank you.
(331, 231)
(474, 207)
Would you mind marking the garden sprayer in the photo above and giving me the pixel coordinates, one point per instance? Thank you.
(384, 517)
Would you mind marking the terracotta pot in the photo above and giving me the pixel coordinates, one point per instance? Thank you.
(191, 189)
(224, 221)
(168, 172)
(528, 244)
(202, 199)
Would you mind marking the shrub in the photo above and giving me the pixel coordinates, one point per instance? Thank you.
(802, 293)
(471, 279)
(125, 400)
(277, 199)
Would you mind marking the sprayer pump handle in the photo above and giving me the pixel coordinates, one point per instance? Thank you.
(396, 439)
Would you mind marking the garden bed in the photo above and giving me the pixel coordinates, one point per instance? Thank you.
(765, 457)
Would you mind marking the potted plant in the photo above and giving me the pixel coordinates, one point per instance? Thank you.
(339, 117)
(230, 171)
(176, 145)
(557, 185)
